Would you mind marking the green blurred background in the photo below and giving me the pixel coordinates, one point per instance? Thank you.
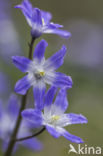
(84, 62)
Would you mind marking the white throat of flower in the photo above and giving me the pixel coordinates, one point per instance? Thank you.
(36, 72)
(51, 119)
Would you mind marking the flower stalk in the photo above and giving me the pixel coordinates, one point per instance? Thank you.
(31, 136)
(19, 119)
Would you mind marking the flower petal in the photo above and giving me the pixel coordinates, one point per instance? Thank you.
(63, 120)
(33, 144)
(62, 80)
(61, 102)
(36, 17)
(62, 33)
(52, 131)
(39, 91)
(48, 99)
(56, 60)
(46, 16)
(54, 26)
(76, 118)
(13, 105)
(69, 136)
(68, 119)
(22, 85)
(34, 117)
(26, 8)
(36, 23)
(21, 62)
(72, 138)
(40, 50)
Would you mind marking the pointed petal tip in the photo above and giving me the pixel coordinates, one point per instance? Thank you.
(85, 120)
(70, 78)
(16, 90)
(43, 41)
(13, 58)
(80, 141)
(18, 6)
(37, 9)
(64, 47)
(67, 34)
(22, 86)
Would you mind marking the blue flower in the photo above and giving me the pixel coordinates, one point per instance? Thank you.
(8, 118)
(39, 21)
(41, 71)
(53, 116)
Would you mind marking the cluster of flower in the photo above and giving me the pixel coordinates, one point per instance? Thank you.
(41, 72)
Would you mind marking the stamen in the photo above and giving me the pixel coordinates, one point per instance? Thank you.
(42, 73)
(43, 21)
(55, 118)
(39, 75)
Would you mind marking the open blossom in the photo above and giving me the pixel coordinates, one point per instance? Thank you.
(39, 21)
(8, 117)
(53, 116)
(41, 72)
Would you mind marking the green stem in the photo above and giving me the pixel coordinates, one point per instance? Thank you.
(12, 141)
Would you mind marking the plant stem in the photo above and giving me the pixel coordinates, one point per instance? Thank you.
(31, 48)
(31, 136)
(12, 141)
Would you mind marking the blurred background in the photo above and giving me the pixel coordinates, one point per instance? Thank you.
(84, 62)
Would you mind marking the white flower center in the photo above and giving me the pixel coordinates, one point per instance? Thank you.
(55, 118)
(51, 119)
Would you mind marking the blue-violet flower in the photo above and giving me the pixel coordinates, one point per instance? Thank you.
(41, 71)
(39, 21)
(53, 117)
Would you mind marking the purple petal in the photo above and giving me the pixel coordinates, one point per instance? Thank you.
(26, 8)
(71, 137)
(32, 144)
(68, 119)
(36, 23)
(13, 105)
(39, 91)
(54, 26)
(22, 85)
(62, 33)
(53, 131)
(46, 16)
(76, 118)
(40, 50)
(36, 17)
(48, 99)
(62, 80)
(61, 101)
(33, 116)
(57, 59)
(22, 63)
